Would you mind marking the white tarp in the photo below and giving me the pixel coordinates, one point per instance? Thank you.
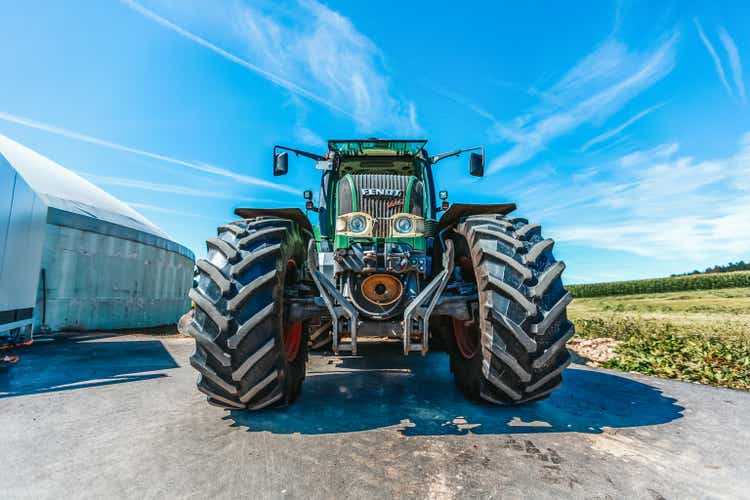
(62, 189)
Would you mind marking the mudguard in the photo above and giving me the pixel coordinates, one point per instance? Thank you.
(460, 210)
(294, 214)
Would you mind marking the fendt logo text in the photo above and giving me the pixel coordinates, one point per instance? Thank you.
(390, 193)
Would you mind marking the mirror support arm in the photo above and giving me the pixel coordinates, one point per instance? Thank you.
(298, 152)
(437, 158)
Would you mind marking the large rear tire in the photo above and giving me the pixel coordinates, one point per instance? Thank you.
(247, 356)
(514, 351)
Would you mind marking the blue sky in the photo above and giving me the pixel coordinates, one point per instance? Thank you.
(622, 127)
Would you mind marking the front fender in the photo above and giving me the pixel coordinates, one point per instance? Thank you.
(460, 210)
(293, 214)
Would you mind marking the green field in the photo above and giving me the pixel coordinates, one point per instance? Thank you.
(698, 335)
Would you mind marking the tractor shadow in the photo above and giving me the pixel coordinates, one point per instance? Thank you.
(417, 396)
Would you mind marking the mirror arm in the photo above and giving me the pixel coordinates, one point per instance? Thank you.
(442, 156)
(299, 152)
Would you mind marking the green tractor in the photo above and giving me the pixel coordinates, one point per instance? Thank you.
(380, 264)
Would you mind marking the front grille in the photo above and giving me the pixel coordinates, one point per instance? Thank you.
(381, 207)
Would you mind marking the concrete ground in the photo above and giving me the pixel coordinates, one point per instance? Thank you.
(118, 417)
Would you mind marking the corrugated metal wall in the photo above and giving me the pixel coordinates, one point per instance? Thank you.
(22, 222)
(101, 282)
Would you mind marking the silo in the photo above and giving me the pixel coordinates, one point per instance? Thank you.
(104, 265)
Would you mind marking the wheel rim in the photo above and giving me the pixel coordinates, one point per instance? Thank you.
(467, 268)
(292, 340)
(467, 338)
(292, 331)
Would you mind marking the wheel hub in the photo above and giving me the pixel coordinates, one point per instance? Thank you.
(292, 340)
(467, 338)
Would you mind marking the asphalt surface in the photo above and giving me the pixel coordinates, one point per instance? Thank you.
(119, 417)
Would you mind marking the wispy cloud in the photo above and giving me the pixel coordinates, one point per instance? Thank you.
(302, 133)
(210, 169)
(342, 68)
(734, 62)
(715, 57)
(600, 84)
(464, 101)
(268, 75)
(164, 210)
(657, 204)
(617, 130)
(653, 155)
(128, 182)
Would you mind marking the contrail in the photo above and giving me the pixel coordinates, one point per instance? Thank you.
(272, 77)
(734, 61)
(714, 57)
(165, 188)
(611, 133)
(222, 172)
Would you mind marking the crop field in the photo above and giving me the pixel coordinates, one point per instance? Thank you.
(710, 281)
(695, 335)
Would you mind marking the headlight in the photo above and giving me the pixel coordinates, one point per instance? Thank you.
(357, 224)
(403, 225)
(407, 225)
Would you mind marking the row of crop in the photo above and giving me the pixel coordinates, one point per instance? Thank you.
(659, 285)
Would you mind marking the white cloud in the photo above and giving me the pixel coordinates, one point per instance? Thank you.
(600, 84)
(658, 153)
(201, 167)
(664, 206)
(307, 137)
(734, 62)
(270, 76)
(715, 57)
(595, 69)
(302, 133)
(617, 130)
(341, 68)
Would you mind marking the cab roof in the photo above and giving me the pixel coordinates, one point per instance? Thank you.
(376, 147)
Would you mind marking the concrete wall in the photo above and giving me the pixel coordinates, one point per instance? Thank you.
(102, 282)
(22, 222)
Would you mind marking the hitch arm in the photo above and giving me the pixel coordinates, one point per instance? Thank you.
(424, 303)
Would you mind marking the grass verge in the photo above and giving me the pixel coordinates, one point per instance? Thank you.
(697, 336)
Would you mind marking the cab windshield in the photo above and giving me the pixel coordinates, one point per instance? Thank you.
(378, 156)
(358, 148)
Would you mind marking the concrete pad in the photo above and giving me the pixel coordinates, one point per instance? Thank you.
(97, 416)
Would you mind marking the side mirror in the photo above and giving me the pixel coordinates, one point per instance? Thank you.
(280, 164)
(476, 164)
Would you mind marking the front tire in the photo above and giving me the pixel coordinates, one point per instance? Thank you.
(514, 350)
(246, 355)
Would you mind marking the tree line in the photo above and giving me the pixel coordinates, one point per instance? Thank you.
(728, 268)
